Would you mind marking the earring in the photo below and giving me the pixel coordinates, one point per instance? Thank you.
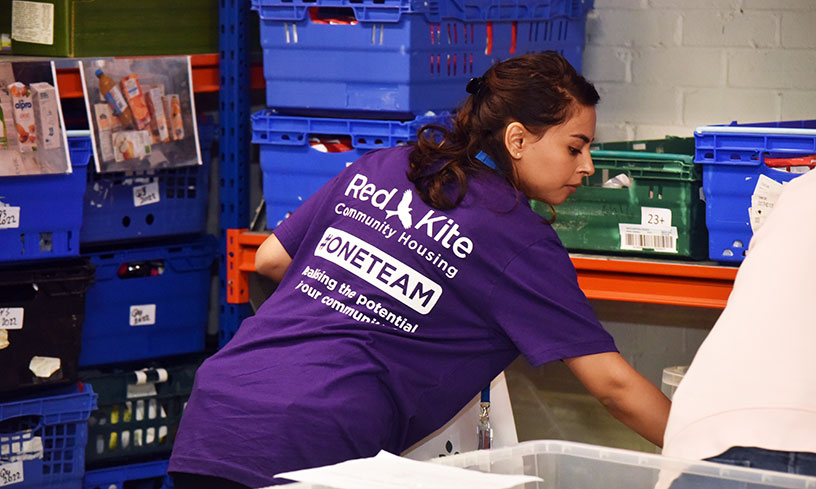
(518, 155)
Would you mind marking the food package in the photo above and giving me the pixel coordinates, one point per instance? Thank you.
(172, 109)
(136, 100)
(24, 122)
(128, 145)
(106, 120)
(158, 119)
(46, 115)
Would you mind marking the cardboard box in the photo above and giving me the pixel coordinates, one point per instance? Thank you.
(114, 28)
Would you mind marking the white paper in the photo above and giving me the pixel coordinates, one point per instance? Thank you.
(9, 216)
(11, 317)
(146, 194)
(11, 473)
(765, 195)
(388, 471)
(143, 315)
(656, 217)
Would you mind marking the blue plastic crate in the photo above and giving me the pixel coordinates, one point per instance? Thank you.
(149, 475)
(42, 439)
(734, 157)
(400, 56)
(112, 212)
(147, 302)
(50, 210)
(293, 169)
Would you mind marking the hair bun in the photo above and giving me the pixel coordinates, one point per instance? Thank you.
(475, 85)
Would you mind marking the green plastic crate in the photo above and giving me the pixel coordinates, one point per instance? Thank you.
(662, 212)
(138, 413)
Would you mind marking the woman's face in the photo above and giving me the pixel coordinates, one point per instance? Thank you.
(551, 167)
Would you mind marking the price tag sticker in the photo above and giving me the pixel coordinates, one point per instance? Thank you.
(655, 217)
(11, 473)
(146, 194)
(143, 315)
(9, 217)
(11, 317)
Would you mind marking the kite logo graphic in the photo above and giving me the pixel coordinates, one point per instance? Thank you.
(403, 211)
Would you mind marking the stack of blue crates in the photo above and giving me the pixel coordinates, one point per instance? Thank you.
(734, 157)
(153, 262)
(347, 76)
(144, 333)
(44, 412)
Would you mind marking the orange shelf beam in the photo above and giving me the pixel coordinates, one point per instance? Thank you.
(206, 77)
(617, 279)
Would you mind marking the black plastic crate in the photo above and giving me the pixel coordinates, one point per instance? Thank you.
(42, 306)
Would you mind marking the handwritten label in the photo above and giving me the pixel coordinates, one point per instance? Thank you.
(146, 194)
(655, 217)
(143, 315)
(11, 473)
(9, 217)
(11, 318)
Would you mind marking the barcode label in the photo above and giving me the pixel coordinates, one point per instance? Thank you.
(636, 237)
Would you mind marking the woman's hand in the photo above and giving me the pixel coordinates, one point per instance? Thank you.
(271, 259)
(626, 394)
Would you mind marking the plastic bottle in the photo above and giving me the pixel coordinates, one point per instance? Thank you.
(115, 98)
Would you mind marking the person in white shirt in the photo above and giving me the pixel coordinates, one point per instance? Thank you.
(749, 396)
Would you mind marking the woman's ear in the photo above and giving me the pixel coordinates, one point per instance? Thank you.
(514, 139)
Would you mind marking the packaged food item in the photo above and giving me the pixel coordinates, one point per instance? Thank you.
(46, 115)
(136, 100)
(172, 109)
(118, 103)
(3, 138)
(158, 119)
(128, 145)
(23, 109)
(8, 120)
(105, 118)
(106, 146)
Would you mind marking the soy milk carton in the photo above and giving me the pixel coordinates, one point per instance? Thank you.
(24, 122)
(46, 115)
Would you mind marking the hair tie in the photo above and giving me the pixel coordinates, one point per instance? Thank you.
(475, 85)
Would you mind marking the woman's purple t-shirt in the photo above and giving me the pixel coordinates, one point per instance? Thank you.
(391, 317)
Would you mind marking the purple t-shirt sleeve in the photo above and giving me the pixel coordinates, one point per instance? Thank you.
(540, 306)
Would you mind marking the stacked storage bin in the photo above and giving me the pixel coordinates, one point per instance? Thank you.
(643, 200)
(145, 329)
(344, 77)
(43, 284)
(736, 160)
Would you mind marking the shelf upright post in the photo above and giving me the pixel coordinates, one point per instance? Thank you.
(234, 141)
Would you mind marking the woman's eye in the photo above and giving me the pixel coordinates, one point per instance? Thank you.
(574, 151)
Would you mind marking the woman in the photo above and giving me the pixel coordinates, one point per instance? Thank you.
(406, 284)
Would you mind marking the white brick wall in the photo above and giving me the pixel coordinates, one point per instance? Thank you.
(667, 66)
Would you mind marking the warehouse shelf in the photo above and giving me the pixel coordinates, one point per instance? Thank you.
(205, 68)
(695, 284)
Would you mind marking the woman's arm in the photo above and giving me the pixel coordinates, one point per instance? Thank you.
(271, 259)
(626, 394)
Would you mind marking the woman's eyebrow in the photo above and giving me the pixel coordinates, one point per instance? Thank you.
(580, 136)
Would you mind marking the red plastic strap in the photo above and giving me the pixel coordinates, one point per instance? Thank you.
(809, 161)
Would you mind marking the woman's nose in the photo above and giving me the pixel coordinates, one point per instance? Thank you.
(586, 166)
